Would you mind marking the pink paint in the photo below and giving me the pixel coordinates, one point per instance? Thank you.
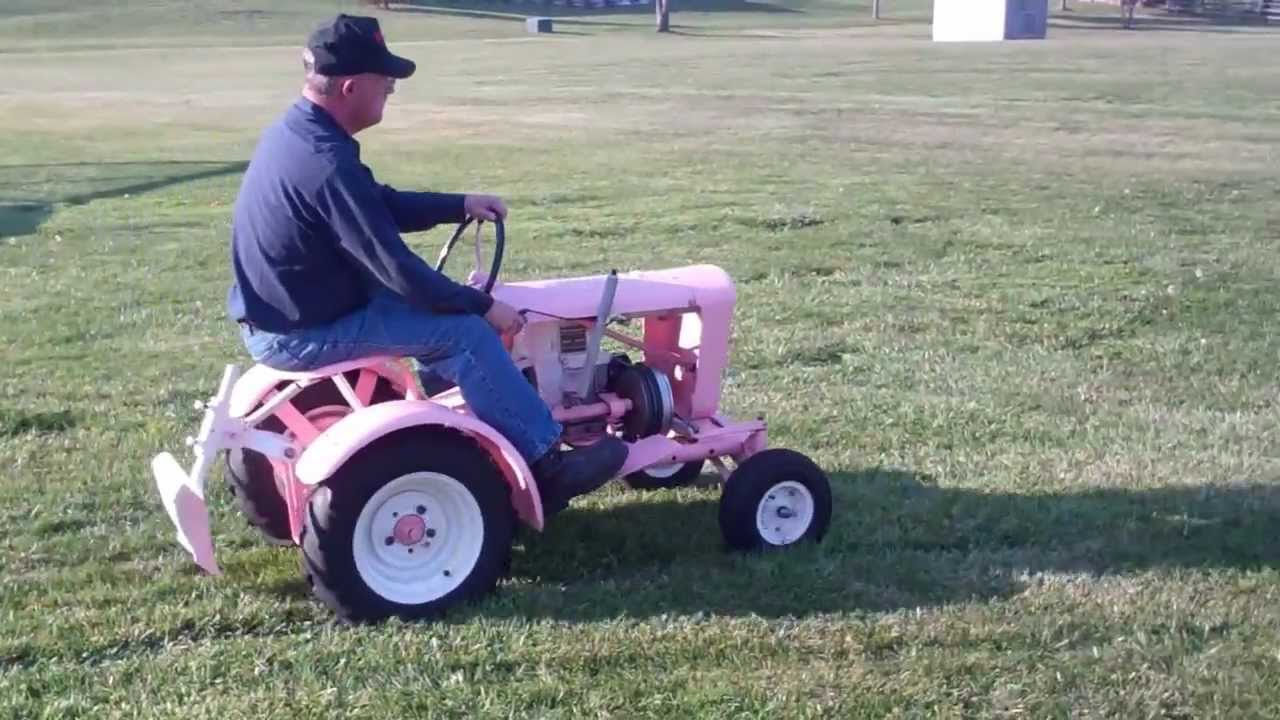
(409, 530)
(365, 385)
(258, 381)
(688, 310)
(347, 436)
(755, 443)
(613, 407)
(296, 496)
(617, 406)
(297, 423)
(732, 439)
(649, 291)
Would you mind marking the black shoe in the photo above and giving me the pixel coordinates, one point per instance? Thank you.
(563, 475)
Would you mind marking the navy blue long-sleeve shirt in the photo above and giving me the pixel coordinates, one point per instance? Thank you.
(314, 233)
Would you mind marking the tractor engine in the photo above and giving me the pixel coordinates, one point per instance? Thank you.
(584, 377)
(587, 392)
(591, 390)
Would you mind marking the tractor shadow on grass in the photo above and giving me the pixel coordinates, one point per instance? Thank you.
(896, 541)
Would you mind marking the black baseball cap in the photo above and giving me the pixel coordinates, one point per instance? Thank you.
(351, 45)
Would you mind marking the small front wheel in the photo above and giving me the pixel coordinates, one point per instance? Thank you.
(410, 527)
(774, 499)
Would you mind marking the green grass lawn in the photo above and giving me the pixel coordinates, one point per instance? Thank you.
(1019, 300)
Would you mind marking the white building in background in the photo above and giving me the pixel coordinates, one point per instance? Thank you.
(989, 20)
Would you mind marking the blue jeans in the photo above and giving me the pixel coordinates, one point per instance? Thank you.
(463, 349)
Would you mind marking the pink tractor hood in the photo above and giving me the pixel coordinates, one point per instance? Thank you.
(696, 287)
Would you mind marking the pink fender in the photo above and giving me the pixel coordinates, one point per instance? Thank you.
(347, 436)
(259, 380)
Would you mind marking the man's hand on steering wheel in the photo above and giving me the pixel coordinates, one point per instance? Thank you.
(479, 209)
(485, 207)
(504, 318)
(501, 316)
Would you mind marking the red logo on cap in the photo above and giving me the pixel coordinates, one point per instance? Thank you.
(377, 35)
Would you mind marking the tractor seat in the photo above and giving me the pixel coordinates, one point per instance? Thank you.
(260, 379)
(326, 371)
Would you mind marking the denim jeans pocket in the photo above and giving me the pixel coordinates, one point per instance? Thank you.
(260, 345)
(295, 354)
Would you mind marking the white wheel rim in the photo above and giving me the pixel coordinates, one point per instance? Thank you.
(418, 538)
(661, 472)
(784, 513)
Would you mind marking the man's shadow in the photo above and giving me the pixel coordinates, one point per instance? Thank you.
(897, 540)
(29, 194)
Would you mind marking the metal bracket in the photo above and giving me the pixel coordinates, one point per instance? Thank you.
(597, 333)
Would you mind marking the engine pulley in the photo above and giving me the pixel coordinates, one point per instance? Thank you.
(652, 402)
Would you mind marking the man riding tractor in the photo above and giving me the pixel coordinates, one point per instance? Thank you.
(322, 275)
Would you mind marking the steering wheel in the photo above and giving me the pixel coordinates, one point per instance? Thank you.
(499, 243)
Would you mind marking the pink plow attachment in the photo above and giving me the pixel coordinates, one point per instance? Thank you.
(184, 501)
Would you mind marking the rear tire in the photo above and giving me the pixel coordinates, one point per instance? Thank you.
(414, 524)
(250, 477)
(252, 484)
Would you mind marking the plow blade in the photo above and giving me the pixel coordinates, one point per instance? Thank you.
(184, 500)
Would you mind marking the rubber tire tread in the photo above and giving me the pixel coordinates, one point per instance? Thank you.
(250, 478)
(327, 560)
(747, 486)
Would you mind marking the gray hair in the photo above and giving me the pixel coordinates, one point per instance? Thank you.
(320, 84)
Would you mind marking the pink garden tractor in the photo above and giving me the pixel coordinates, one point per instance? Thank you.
(403, 503)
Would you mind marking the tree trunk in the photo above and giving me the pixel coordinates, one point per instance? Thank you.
(664, 16)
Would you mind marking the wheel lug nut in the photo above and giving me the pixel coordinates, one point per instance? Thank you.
(431, 532)
(422, 510)
(390, 540)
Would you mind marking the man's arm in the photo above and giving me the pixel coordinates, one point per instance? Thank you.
(367, 230)
(418, 211)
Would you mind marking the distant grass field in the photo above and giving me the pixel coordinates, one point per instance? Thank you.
(1019, 300)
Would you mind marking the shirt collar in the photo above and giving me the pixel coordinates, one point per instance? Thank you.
(311, 110)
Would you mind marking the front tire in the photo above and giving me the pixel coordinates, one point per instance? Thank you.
(776, 498)
(414, 524)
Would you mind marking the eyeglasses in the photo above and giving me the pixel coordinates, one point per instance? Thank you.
(374, 77)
